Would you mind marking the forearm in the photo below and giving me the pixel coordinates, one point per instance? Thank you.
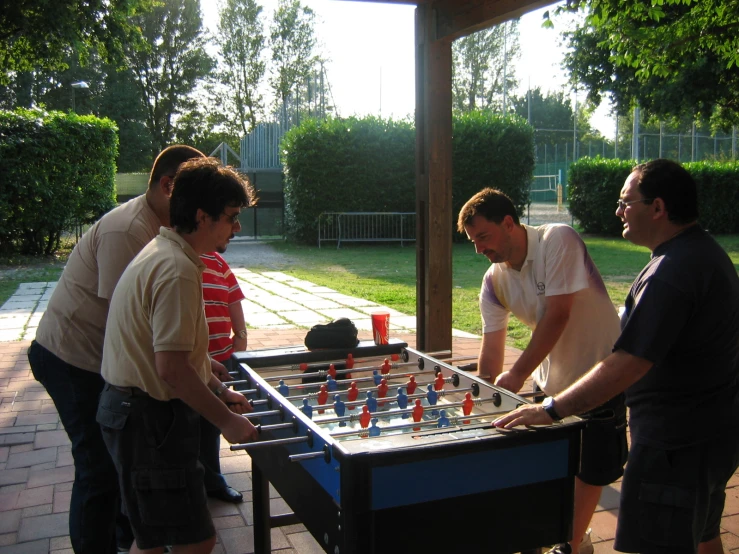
(607, 379)
(187, 386)
(492, 354)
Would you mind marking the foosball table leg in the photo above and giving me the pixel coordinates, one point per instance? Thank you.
(260, 492)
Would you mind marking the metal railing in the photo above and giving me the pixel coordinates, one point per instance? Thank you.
(366, 227)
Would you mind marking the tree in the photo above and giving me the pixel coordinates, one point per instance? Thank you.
(675, 58)
(241, 43)
(169, 65)
(552, 117)
(37, 34)
(482, 68)
(293, 41)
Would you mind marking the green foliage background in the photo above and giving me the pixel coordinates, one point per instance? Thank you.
(367, 165)
(56, 170)
(595, 185)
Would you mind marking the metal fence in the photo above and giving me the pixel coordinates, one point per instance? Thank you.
(366, 227)
(260, 149)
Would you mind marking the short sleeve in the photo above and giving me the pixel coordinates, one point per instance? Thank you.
(235, 294)
(655, 321)
(174, 319)
(114, 252)
(494, 314)
(566, 261)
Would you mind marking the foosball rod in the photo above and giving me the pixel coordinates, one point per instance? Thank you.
(453, 422)
(387, 413)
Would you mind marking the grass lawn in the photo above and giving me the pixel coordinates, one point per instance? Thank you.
(386, 274)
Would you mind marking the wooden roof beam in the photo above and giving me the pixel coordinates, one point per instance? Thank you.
(458, 18)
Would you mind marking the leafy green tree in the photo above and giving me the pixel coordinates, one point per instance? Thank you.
(293, 42)
(241, 42)
(38, 34)
(552, 117)
(675, 58)
(169, 65)
(482, 67)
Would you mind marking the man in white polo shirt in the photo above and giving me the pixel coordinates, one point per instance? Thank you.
(158, 374)
(546, 278)
(67, 353)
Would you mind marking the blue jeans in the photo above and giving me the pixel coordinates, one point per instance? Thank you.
(95, 504)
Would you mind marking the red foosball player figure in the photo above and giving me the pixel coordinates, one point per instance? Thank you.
(410, 386)
(395, 357)
(365, 417)
(417, 413)
(332, 370)
(467, 405)
(349, 361)
(303, 367)
(382, 390)
(352, 393)
(439, 382)
(322, 397)
(385, 367)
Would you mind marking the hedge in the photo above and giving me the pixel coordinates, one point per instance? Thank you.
(56, 170)
(595, 185)
(368, 165)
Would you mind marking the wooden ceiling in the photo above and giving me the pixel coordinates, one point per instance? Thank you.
(457, 18)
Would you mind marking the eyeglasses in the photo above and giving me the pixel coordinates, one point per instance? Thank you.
(233, 218)
(622, 205)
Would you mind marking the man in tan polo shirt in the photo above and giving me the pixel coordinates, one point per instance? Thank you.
(157, 368)
(67, 354)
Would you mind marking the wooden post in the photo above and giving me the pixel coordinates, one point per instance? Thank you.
(433, 184)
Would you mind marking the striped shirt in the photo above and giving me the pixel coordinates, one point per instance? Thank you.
(220, 290)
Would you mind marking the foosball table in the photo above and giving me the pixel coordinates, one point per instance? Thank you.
(384, 449)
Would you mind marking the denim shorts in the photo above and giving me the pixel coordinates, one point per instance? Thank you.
(672, 500)
(155, 447)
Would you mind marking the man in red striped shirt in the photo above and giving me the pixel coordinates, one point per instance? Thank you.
(222, 297)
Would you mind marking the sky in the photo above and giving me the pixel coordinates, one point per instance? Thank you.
(370, 48)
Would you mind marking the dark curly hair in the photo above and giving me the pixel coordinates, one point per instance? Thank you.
(205, 184)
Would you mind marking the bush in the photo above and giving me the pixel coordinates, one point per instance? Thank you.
(368, 165)
(490, 150)
(57, 170)
(595, 185)
(346, 165)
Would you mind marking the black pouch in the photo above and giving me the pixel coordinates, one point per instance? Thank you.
(341, 333)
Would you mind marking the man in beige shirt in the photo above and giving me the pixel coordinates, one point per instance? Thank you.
(156, 364)
(67, 354)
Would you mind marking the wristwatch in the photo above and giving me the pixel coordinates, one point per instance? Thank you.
(241, 334)
(220, 389)
(548, 406)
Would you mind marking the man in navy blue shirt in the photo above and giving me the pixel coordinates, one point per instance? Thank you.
(677, 358)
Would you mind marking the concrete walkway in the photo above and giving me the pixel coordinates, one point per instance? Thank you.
(274, 300)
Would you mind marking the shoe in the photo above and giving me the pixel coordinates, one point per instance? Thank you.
(563, 548)
(227, 494)
(586, 545)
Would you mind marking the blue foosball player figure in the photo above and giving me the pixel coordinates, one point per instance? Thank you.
(374, 431)
(376, 377)
(433, 397)
(339, 409)
(282, 388)
(443, 420)
(371, 402)
(331, 384)
(402, 399)
(307, 409)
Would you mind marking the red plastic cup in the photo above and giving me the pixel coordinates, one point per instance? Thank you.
(381, 327)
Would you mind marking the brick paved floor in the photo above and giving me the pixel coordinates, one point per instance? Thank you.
(36, 470)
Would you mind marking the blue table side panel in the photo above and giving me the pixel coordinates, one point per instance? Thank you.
(476, 472)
